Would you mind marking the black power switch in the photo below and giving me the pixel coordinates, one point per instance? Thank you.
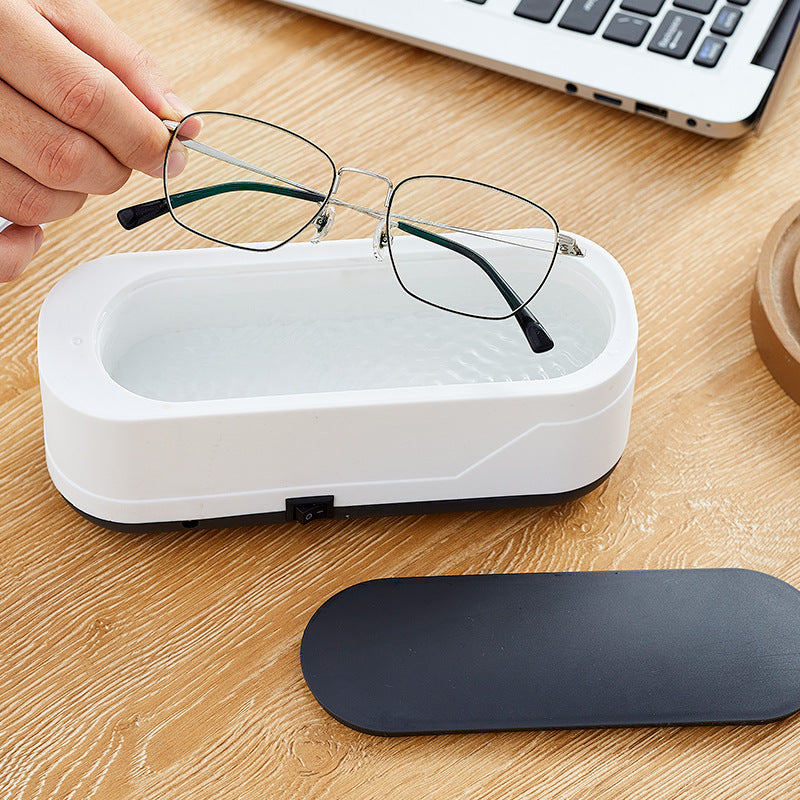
(307, 509)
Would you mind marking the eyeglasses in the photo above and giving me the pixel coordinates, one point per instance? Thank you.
(460, 245)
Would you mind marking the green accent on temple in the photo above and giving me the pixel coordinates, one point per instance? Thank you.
(137, 215)
(184, 198)
(534, 331)
(509, 295)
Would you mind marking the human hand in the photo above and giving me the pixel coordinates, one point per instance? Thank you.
(80, 108)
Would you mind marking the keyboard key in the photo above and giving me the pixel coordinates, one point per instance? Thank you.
(709, 52)
(740, 2)
(700, 6)
(479, 2)
(584, 16)
(540, 10)
(627, 29)
(726, 20)
(675, 34)
(647, 7)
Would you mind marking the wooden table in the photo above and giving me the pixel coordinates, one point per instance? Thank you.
(167, 665)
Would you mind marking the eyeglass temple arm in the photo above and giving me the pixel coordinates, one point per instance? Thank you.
(535, 333)
(134, 216)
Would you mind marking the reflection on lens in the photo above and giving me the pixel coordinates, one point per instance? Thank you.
(247, 183)
(468, 247)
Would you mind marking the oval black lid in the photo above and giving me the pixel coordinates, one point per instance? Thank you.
(552, 650)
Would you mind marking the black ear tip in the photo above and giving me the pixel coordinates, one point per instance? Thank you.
(134, 216)
(127, 218)
(538, 338)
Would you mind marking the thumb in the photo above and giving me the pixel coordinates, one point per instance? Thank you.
(18, 245)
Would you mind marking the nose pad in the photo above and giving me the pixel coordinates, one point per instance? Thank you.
(322, 223)
(380, 240)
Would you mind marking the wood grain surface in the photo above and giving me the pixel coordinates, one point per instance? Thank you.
(167, 665)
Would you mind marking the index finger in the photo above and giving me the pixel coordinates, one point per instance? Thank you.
(88, 27)
(74, 87)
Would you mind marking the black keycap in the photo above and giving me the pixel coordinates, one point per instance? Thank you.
(740, 2)
(540, 10)
(479, 2)
(675, 34)
(584, 16)
(627, 29)
(700, 6)
(709, 52)
(648, 7)
(726, 20)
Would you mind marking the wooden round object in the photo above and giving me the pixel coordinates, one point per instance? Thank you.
(775, 307)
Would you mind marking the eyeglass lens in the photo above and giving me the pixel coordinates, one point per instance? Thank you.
(248, 181)
(469, 247)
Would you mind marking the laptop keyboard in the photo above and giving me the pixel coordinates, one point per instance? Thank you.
(685, 23)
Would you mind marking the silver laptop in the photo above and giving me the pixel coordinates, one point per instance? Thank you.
(716, 67)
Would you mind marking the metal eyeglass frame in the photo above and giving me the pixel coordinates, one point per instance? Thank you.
(322, 219)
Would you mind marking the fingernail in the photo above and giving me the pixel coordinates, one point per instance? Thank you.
(38, 238)
(181, 109)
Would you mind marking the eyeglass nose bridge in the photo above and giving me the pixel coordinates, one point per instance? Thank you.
(323, 222)
(370, 173)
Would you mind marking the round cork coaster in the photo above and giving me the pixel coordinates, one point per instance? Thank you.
(775, 306)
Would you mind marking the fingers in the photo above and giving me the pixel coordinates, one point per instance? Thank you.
(80, 107)
(77, 89)
(52, 153)
(26, 202)
(18, 245)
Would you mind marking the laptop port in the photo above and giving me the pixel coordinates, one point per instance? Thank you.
(653, 111)
(604, 98)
